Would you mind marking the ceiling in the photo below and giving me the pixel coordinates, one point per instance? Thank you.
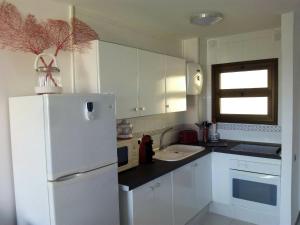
(171, 17)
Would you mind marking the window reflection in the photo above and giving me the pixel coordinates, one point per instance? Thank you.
(176, 84)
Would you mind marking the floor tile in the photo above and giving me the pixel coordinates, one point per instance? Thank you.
(238, 222)
(215, 219)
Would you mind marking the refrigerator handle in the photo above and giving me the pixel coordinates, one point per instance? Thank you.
(76, 175)
(68, 177)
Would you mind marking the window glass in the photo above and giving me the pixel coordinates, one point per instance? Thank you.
(244, 105)
(245, 92)
(244, 79)
(254, 191)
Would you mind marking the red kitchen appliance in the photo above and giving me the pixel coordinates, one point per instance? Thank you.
(146, 150)
(188, 137)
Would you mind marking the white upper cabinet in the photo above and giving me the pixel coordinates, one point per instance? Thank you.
(151, 83)
(119, 75)
(175, 84)
(144, 82)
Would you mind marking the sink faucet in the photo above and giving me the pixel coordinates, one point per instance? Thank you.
(161, 146)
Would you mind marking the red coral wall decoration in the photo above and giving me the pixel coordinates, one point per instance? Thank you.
(27, 34)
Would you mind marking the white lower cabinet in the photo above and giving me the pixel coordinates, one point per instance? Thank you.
(221, 183)
(184, 193)
(204, 181)
(191, 189)
(174, 198)
(150, 204)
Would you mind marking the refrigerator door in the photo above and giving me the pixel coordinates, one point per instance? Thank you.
(80, 133)
(87, 199)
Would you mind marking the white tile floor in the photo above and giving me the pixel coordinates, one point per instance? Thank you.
(215, 219)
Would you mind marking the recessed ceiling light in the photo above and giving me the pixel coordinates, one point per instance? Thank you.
(207, 18)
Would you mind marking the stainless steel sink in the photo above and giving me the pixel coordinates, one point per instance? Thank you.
(177, 152)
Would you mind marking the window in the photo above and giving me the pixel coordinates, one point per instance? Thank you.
(245, 92)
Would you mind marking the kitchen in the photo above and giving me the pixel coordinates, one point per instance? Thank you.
(221, 45)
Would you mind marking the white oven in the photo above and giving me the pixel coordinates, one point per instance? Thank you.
(256, 186)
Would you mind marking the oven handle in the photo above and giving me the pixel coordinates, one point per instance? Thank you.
(242, 174)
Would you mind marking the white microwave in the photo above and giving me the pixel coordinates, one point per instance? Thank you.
(128, 154)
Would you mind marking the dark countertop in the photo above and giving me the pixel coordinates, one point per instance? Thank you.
(142, 174)
(232, 144)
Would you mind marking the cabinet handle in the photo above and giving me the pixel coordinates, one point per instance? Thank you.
(142, 108)
(136, 109)
(167, 106)
(157, 185)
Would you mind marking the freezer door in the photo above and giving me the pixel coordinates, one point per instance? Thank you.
(87, 199)
(80, 133)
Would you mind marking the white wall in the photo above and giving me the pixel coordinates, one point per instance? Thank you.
(296, 120)
(195, 103)
(290, 23)
(111, 31)
(242, 47)
(17, 77)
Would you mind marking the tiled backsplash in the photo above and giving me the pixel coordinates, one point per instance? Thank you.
(249, 127)
(250, 132)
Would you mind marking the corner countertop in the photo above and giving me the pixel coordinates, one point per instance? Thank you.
(142, 174)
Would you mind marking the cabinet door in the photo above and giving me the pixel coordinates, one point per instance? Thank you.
(184, 189)
(119, 75)
(151, 83)
(163, 197)
(152, 203)
(221, 182)
(143, 204)
(175, 84)
(203, 181)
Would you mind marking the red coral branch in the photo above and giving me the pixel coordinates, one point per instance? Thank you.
(29, 35)
(83, 34)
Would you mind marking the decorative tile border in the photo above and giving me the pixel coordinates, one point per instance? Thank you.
(249, 127)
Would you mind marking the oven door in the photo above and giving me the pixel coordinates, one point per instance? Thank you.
(259, 192)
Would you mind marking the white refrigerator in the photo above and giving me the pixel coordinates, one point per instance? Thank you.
(65, 159)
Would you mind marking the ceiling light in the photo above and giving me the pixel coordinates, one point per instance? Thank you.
(207, 18)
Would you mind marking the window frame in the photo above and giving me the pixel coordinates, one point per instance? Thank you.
(271, 91)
